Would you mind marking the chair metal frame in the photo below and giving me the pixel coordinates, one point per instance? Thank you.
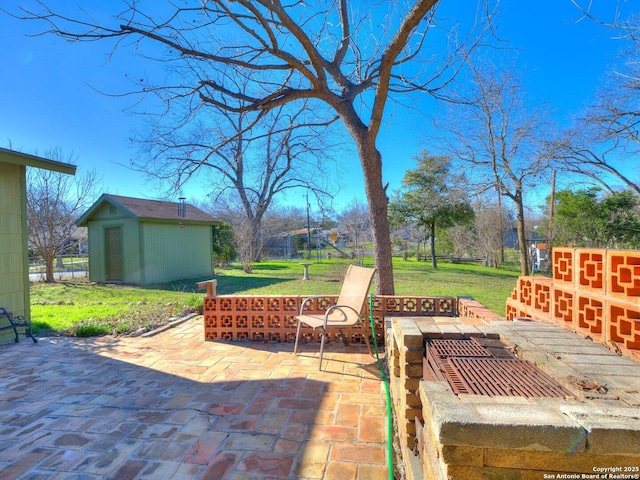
(347, 311)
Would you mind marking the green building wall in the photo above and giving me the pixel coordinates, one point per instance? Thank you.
(152, 251)
(14, 258)
(171, 252)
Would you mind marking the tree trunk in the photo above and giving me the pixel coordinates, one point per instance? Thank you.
(256, 239)
(432, 233)
(522, 239)
(48, 262)
(501, 228)
(371, 162)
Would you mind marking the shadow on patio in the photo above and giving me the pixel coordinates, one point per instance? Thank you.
(175, 406)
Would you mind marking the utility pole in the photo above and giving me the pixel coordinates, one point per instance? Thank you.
(308, 230)
(500, 226)
(552, 206)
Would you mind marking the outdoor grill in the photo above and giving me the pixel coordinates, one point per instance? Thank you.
(486, 367)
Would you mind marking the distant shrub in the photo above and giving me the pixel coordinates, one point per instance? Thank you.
(90, 328)
(224, 248)
(123, 328)
(196, 302)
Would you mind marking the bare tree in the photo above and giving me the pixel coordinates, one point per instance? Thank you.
(355, 220)
(332, 53)
(499, 139)
(54, 202)
(281, 219)
(489, 234)
(461, 239)
(260, 161)
(605, 139)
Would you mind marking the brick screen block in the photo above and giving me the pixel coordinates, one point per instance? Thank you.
(446, 306)
(590, 316)
(410, 305)
(563, 305)
(428, 306)
(525, 290)
(563, 265)
(241, 304)
(289, 328)
(624, 274)
(210, 304)
(379, 326)
(287, 304)
(391, 305)
(514, 309)
(257, 304)
(590, 270)
(274, 328)
(624, 324)
(542, 294)
(210, 326)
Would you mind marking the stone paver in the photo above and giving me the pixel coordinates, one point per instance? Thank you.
(174, 406)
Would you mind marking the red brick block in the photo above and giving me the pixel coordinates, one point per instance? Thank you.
(542, 294)
(624, 275)
(514, 309)
(446, 306)
(590, 316)
(210, 325)
(241, 304)
(563, 305)
(590, 270)
(389, 305)
(563, 265)
(410, 305)
(525, 290)
(624, 324)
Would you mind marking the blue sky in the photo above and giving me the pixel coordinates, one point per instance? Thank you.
(47, 95)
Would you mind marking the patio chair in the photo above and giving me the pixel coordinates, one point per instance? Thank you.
(346, 313)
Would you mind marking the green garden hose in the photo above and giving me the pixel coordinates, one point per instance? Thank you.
(385, 381)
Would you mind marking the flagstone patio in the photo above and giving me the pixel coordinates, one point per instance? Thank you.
(176, 406)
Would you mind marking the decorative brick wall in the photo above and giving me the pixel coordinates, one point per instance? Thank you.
(271, 318)
(444, 435)
(467, 307)
(595, 292)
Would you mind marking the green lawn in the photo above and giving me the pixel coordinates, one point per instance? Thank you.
(489, 286)
(62, 307)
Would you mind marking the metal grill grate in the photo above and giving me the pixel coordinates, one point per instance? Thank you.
(458, 348)
(470, 368)
(505, 377)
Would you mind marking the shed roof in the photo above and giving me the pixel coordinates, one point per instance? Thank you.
(144, 209)
(19, 158)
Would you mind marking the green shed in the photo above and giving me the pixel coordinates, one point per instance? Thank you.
(140, 241)
(14, 253)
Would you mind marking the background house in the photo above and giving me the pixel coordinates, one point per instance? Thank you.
(138, 241)
(14, 257)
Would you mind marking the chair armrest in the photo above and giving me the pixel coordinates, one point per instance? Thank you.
(338, 307)
(18, 321)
